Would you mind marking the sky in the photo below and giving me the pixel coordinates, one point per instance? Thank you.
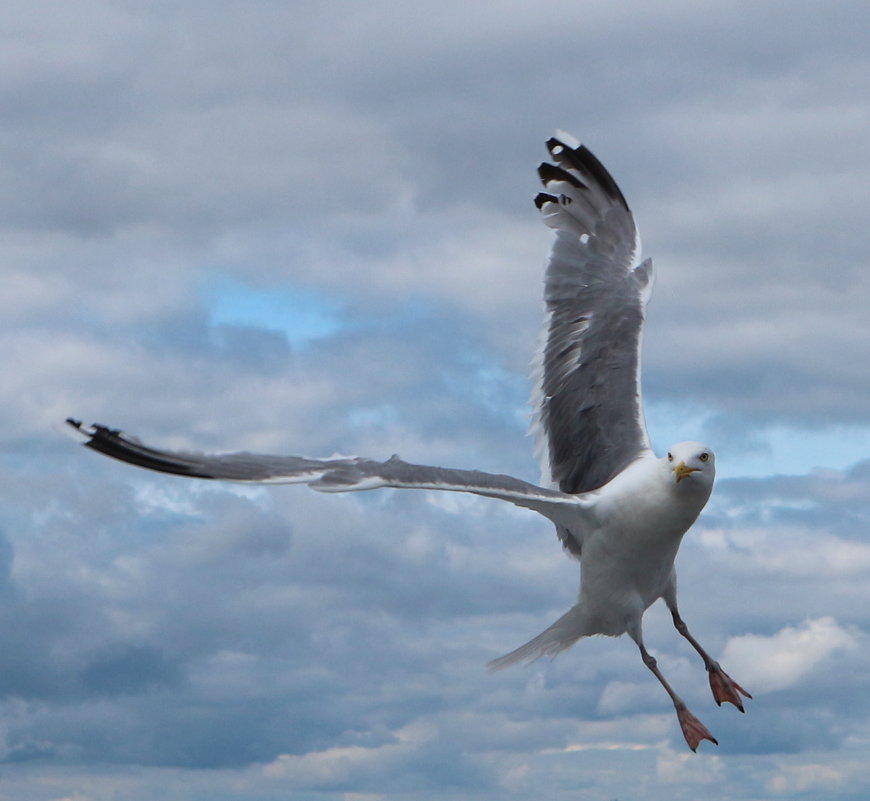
(307, 227)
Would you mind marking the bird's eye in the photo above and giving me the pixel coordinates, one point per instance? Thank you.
(670, 457)
(704, 457)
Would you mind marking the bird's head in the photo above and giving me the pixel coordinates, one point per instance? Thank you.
(693, 461)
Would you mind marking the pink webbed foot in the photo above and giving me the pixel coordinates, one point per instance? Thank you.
(693, 730)
(725, 688)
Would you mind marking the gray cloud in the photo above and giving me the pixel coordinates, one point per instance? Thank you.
(163, 638)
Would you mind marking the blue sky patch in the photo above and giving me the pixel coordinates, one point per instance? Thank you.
(301, 313)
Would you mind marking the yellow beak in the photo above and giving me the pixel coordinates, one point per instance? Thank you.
(681, 471)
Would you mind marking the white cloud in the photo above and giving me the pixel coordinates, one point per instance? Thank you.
(816, 777)
(333, 766)
(681, 769)
(769, 547)
(784, 659)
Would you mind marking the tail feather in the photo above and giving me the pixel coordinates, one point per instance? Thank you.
(561, 635)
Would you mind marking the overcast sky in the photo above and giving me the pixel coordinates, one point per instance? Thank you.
(307, 227)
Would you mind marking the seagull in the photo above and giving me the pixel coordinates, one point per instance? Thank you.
(616, 506)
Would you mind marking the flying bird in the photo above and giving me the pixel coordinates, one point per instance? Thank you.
(616, 506)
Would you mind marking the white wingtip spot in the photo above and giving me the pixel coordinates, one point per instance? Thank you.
(75, 430)
(567, 139)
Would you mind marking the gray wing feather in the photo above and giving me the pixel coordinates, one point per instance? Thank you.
(587, 412)
(341, 474)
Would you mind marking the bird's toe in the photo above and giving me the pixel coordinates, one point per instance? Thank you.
(724, 688)
(693, 730)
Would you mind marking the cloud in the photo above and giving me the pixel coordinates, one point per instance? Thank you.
(807, 778)
(374, 165)
(783, 659)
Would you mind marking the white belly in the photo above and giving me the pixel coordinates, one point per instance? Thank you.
(615, 589)
(628, 563)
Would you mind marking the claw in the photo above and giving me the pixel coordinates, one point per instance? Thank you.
(693, 730)
(725, 688)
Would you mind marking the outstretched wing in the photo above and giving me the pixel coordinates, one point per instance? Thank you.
(344, 474)
(587, 415)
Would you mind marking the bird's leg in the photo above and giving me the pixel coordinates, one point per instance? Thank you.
(723, 686)
(693, 730)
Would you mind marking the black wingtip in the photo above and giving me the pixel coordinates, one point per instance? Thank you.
(96, 432)
(112, 442)
(542, 198)
(550, 172)
(581, 158)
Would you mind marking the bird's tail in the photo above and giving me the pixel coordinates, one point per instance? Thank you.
(561, 635)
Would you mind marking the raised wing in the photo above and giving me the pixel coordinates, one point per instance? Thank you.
(587, 416)
(341, 474)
